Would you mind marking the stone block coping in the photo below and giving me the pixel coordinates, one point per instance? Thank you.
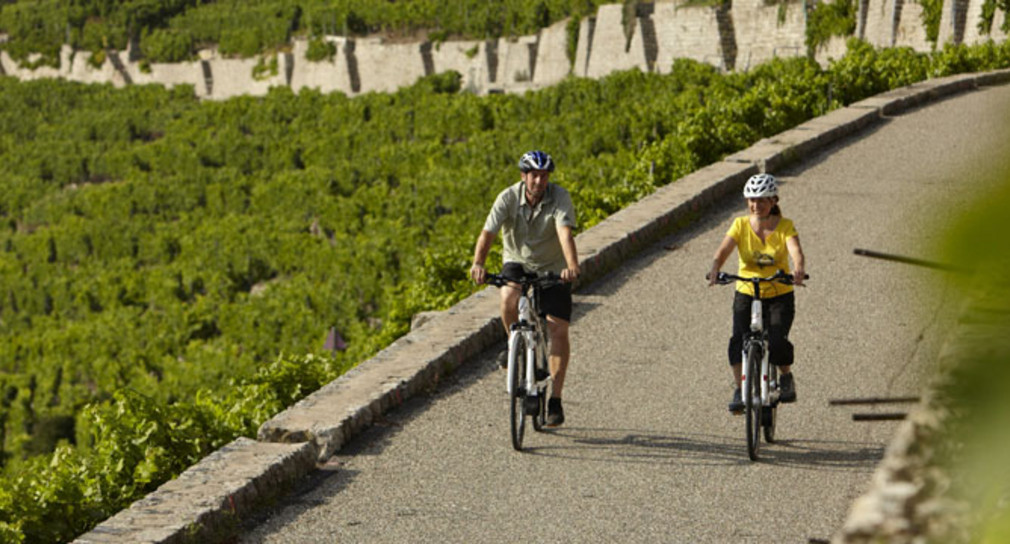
(202, 504)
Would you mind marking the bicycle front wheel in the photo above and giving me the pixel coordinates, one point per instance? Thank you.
(517, 371)
(752, 400)
(770, 411)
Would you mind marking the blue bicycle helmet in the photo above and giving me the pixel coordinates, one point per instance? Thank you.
(535, 160)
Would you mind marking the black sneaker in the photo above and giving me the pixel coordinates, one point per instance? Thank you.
(736, 405)
(555, 414)
(502, 359)
(787, 388)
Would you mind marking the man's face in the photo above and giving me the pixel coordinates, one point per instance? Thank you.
(536, 183)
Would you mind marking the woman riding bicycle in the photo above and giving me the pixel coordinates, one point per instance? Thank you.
(765, 241)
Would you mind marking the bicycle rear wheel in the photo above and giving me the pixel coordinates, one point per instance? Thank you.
(771, 412)
(752, 400)
(543, 393)
(517, 371)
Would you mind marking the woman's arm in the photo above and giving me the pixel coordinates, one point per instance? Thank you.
(725, 249)
(799, 261)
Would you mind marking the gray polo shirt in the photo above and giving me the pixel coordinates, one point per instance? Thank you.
(529, 234)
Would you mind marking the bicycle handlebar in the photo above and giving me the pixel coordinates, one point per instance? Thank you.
(723, 278)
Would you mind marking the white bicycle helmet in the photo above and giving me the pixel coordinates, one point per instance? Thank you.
(761, 185)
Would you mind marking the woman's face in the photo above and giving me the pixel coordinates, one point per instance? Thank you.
(761, 207)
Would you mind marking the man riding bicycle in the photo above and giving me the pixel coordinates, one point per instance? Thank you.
(536, 219)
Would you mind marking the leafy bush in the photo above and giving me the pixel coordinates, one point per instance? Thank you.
(827, 19)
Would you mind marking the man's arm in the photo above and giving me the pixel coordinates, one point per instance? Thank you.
(572, 270)
(484, 241)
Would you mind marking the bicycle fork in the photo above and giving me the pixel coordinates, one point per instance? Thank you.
(757, 330)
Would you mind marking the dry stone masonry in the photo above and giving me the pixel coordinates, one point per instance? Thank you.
(737, 35)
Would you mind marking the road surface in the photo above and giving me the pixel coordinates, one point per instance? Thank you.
(649, 452)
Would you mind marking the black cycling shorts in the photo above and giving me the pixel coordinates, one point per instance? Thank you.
(555, 301)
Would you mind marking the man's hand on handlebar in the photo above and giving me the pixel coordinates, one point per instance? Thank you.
(570, 274)
(478, 274)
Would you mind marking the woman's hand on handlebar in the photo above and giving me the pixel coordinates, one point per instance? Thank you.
(798, 276)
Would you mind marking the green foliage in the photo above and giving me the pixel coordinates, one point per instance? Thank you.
(152, 242)
(932, 13)
(827, 19)
(320, 50)
(968, 449)
(137, 443)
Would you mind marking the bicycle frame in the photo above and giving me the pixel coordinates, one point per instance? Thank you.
(529, 328)
(769, 391)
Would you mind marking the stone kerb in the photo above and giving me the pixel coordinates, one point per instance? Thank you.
(761, 35)
(385, 67)
(898, 100)
(609, 50)
(206, 500)
(688, 33)
(325, 75)
(552, 64)
(332, 415)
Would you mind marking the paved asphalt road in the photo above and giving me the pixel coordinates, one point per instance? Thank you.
(649, 452)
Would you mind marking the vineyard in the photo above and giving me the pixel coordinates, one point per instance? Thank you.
(170, 268)
(174, 30)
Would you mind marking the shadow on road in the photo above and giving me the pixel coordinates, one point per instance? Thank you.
(641, 446)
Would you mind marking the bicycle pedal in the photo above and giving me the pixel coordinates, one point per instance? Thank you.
(531, 404)
(541, 374)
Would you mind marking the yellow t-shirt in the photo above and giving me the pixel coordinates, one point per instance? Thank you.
(762, 259)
